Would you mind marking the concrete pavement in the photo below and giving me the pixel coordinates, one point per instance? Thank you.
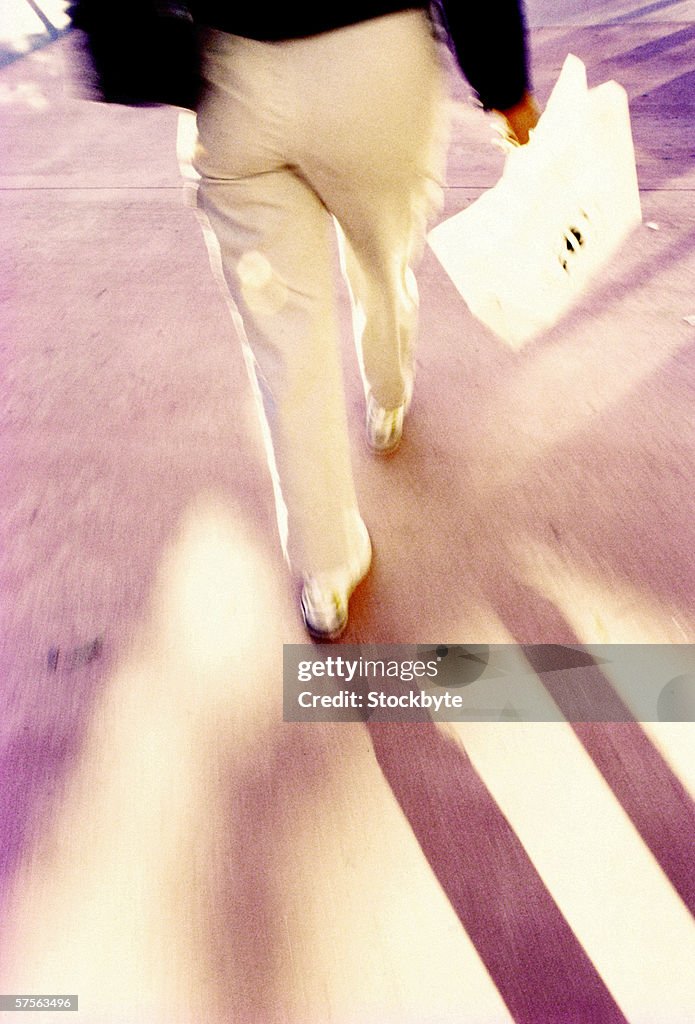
(172, 851)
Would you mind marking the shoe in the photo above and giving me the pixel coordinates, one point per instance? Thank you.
(385, 426)
(325, 597)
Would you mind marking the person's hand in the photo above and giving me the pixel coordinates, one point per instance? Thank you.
(521, 118)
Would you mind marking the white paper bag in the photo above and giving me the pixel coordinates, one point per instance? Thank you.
(522, 253)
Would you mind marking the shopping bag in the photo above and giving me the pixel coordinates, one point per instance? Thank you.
(525, 251)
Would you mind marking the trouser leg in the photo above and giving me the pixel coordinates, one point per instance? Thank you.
(385, 303)
(274, 237)
(283, 288)
(383, 181)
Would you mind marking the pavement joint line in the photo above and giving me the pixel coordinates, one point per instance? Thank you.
(90, 188)
(647, 189)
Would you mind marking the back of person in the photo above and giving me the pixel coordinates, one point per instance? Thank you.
(312, 117)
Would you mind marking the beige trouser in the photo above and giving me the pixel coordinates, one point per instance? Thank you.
(349, 125)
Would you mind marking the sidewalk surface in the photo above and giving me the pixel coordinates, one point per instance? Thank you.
(171, 850)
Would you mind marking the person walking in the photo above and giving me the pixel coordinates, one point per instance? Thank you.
(311, 117)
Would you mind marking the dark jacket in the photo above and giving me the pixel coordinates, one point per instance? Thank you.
(488, 37)
(142, 52)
